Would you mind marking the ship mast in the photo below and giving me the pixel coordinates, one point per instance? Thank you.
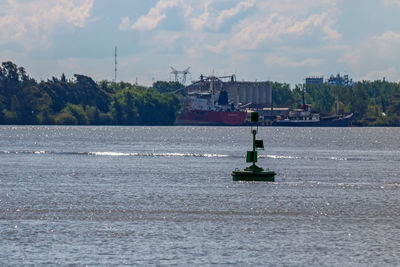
(212, 92)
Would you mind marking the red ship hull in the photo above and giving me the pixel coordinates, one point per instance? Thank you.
(206, 117)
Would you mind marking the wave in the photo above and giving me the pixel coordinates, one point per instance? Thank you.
(185, 155)
(155, 154)
(121, 154)
(278, 157)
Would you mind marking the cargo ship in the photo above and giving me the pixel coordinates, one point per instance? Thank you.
(210, 106)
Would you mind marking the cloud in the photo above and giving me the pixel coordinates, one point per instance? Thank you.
(390, 36)
(267, 22)
(289, 63)
(315, 21)
(199, 22)
(300, 27)
(155, 15)
(383, 47)
(168, 39)
(32, 20)
(387, 3)
(229, 13)
(125, 24)
(352, 57)
(374, 57)
(214, 19)
(390, 74)
(386, 45)
(252, 33)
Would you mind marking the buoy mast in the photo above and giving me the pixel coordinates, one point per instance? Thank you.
(254, 173)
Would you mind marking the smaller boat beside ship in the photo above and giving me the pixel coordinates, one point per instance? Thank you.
(304, 117)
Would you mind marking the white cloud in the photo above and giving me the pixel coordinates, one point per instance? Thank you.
(289, 63)
(383, 47)
(199, 22)
(351, 57)
(258, 39)
(387, 3)
(267, 21)
(155, 15)
(168, 39)
(390, 36)
(386, 46)
(211, 18)
(252, 33)
(125, 24)
(374, 57)
(235, 34)
(390, 74)
(300, 27)
(32, 21)
(229, 13)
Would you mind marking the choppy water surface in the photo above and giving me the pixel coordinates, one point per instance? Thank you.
(112, 196)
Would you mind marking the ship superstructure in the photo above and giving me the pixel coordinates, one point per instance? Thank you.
(209, 106)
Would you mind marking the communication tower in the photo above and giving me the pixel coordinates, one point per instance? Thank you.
(115, 65)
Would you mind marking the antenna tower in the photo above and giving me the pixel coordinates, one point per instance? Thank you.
(115, 65)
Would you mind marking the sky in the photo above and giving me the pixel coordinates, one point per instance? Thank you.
(263, 40)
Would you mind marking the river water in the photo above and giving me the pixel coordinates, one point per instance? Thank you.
(114, 196)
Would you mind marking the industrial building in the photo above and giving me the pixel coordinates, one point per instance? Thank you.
(337, 80)
(340, 81)
(250, 94)
(315, 80)
(254, 94)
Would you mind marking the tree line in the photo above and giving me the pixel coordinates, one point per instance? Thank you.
(374, 103)
(82, 101)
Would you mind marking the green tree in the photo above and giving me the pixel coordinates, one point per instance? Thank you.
(66, 118)
(359, 101)
(78, 112)
(282, 96)
(117, 112)
(131, 113)
(167, 87)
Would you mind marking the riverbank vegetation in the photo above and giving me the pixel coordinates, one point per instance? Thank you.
(82, 101)
(374, 103)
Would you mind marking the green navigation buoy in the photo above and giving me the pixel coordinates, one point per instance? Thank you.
(253, 172)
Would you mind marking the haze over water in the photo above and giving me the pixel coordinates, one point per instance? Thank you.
(112, 196)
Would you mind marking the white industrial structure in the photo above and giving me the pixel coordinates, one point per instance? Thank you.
(177, 73)
(251, 94)
(258, 94)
